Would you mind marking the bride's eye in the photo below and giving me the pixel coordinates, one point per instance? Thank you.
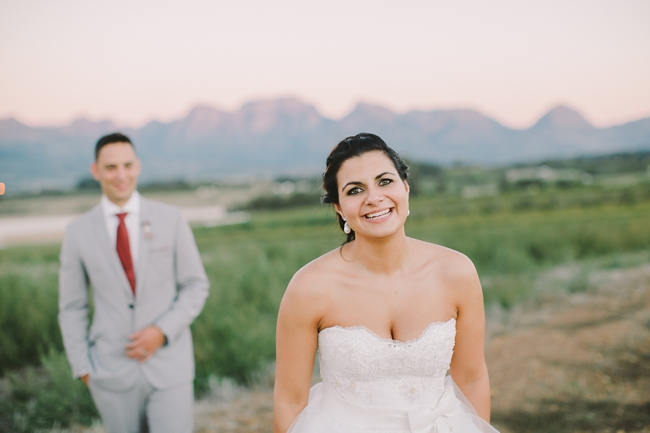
(385, 181)
(354, 191)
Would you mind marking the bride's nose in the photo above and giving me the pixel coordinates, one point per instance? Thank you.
(375, 196)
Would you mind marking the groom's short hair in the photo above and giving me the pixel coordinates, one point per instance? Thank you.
(114, 137)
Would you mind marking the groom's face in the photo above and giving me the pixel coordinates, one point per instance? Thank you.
(117, 169)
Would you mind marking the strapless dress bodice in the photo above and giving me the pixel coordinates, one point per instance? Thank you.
(377, 385)
(367, 370)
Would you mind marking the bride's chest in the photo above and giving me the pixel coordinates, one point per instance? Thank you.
(357, 353)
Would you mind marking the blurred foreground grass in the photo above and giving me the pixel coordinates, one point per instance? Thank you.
(512, 238)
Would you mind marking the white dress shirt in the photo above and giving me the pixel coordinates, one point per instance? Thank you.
(132, 221)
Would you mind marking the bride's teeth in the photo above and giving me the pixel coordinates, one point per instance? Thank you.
(378, 214)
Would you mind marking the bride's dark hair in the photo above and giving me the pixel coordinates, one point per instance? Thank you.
(350, 147)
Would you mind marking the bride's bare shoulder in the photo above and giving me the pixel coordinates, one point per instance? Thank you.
(314, 278)
(446, 262)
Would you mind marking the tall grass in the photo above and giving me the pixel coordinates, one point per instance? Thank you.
(45, 397)
(28, 305)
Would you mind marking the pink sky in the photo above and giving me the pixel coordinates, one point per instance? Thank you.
(136, 61)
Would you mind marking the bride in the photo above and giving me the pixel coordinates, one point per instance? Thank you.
(398, 322)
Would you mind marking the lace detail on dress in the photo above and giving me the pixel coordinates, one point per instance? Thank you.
(367, 370)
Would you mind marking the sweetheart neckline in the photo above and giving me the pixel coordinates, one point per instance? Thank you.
(390, 340)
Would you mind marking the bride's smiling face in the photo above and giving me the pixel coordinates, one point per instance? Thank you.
(373, 199)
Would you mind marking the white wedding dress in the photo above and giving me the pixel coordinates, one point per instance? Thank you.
(373, 384)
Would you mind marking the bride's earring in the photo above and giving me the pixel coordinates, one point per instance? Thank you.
(408, 212)
(346, 228)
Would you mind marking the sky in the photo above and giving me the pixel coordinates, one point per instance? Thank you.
(135, 61)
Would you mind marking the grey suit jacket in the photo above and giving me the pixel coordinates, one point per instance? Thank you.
(171, 288)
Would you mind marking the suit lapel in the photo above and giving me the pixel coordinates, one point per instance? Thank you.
(107, 250)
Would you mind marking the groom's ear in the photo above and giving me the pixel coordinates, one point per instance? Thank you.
(94, 171)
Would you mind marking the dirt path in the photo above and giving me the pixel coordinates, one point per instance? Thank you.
(579, 365)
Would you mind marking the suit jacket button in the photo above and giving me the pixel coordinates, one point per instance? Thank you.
(131, 306)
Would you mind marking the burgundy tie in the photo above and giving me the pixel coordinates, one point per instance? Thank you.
(124, 250)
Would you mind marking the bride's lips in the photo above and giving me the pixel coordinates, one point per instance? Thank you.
(379, 215)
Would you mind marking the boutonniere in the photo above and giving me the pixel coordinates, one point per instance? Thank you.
(146, 229)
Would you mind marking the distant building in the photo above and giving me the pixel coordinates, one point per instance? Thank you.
(545, 175)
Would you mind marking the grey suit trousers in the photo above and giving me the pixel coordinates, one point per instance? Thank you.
(143, 408)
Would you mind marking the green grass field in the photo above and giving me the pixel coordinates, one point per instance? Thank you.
(511, 238)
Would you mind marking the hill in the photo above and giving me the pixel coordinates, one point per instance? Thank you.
(288, 136)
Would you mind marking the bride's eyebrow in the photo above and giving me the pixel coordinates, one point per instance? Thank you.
(357, 183)
(384, 174)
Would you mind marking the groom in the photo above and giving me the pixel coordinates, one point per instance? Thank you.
(136, 262)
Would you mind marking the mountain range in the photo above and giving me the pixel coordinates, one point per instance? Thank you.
(290, 137)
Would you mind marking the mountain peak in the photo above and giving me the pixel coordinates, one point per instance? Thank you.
(365, 116)
(203, 119)
(202, 110)
(286, 105)
(11, 122)
(84, 127)
(264, 114)
(371, 109)
(563, 117)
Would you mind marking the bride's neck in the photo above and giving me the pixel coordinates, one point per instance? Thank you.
(384, 256)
